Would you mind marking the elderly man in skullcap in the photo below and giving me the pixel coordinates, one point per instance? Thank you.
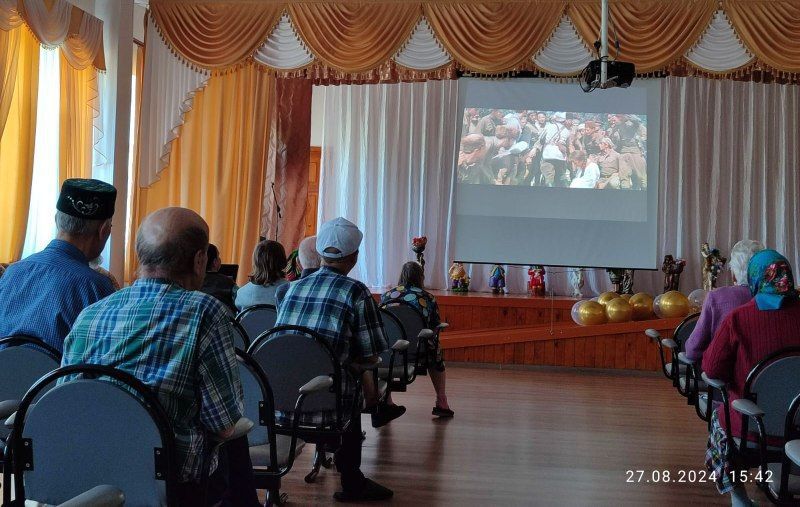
(42, 295)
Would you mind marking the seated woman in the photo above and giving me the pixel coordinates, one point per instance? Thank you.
(269, 260)
(410, 289)
(766, 324)
(721, 301)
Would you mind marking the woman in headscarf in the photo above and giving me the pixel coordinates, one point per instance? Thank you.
(766, 324)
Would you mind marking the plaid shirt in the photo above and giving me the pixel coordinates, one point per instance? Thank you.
(43, 294)
(179, 343)
(343, 312)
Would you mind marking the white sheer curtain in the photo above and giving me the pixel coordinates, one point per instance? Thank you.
(730, 155)
(41, 222)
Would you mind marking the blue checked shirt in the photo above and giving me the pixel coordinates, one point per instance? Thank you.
(43, 294)
(179, 343)
(342, 311)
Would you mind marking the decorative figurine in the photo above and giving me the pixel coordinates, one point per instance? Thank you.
(627, 281)
(459, 281)
(536, 286)
(672, 269)
(713, 262)
(418, 247)
(576, 282)
(293, 269)
(616, 275)
(497, 279)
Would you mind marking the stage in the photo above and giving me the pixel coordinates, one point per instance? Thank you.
(523, 330)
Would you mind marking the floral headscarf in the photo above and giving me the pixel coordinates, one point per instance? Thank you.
(770, 278)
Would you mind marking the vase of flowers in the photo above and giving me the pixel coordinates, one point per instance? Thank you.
(418, 247)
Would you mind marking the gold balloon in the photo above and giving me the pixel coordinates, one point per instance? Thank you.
(618, 310)
(626, 297)
(672, 304)
(605, 297)
(642, 304)
(591, 313)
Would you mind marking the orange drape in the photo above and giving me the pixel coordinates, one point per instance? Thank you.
(19, 82)
(78, 109)
(769, 29)
(215, 35)
(354, 37)
(217, 166)
(652, 33)
(493, 37)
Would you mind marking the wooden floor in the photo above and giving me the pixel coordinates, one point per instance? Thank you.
(531, 437)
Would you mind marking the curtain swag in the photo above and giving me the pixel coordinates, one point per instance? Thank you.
(370, 40)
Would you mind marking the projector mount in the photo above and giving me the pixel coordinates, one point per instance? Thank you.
(604, 73)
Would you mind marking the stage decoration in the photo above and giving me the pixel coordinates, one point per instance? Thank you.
(626, 297)
(627, 282)
(671, 304)
(605, 297)
(459, 281)
(713, 262)
(574, 313)
(590, 313)
(672, 269)
(536, 283)
(497, 279)
(615, 275)
(418, 247)
(696, 299)
(642, 305)
(293, 270)
(576, 280)
(618, 310)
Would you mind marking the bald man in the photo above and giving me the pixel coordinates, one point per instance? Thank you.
(179, 342)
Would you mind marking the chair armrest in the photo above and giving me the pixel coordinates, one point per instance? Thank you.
(442, 326)
(685, 360)
(653, 334)
(669, 343)
(10, 421)
(317, 384)
(8, 407)
(98, 496)
(426, 333)
(240, 429)
(715, 383)
(747, 407)
(793, 451)
(400, 345)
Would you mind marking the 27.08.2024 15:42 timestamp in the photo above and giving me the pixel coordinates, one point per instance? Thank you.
(688, 476)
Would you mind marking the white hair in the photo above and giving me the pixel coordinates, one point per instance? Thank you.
(741, 253)
(307, 253)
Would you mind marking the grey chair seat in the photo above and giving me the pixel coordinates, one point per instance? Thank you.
(397, 371)
(259, 454)
(701, 386)
(703, 404)
(793, 451)
(775, 485)
(681, 369)
(754, 445)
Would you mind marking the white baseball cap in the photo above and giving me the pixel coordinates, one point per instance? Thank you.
(341, 234)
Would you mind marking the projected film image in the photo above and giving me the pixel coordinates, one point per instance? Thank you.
(553, 149)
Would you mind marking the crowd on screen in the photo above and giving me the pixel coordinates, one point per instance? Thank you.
(172, 328)
(553, 149)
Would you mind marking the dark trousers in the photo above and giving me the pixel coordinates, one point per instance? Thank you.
(231, 483)
(348, 457)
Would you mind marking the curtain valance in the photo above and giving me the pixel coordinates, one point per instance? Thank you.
(59, 23)
(381, 39)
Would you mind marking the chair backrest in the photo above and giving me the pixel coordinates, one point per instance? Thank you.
(684, 330)
(773, 384)
(23, 361)
(240, 339)
(257, 393)
(88, 432)
(290, 356)
(412, 321)
(393, 329)
(257, 319)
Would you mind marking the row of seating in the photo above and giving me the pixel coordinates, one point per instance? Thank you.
(279, 369)
(770, 405)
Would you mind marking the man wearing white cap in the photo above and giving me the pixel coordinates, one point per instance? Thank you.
(343, 311)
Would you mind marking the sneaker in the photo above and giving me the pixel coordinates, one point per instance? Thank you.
(370, 491)
(442, 412)
(386, 413)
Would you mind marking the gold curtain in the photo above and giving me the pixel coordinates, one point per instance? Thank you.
(218, 163)
(652, 34)
(215, 35)
(354, 37)
(769, 29)
(78, 95)
(19, 63)
(493, 37)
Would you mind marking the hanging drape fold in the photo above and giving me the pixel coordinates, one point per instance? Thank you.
(770, 30)
(78, 104)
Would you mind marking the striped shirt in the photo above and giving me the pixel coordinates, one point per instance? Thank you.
(43, 294)
(179, 343)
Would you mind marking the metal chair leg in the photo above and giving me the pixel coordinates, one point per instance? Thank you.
(275, 497)
(319, 457)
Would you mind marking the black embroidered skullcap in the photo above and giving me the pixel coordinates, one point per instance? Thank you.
(87, 199)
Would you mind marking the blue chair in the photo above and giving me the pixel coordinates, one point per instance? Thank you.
(257, 319)
(101, 427)
(240, 339)
(674, 369)
(416, 330)
(398, 372)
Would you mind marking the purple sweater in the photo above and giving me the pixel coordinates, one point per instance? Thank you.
(717, 306)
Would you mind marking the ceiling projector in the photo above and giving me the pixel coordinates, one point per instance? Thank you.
(618, 74)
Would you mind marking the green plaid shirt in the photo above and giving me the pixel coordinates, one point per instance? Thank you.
(179, 343)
